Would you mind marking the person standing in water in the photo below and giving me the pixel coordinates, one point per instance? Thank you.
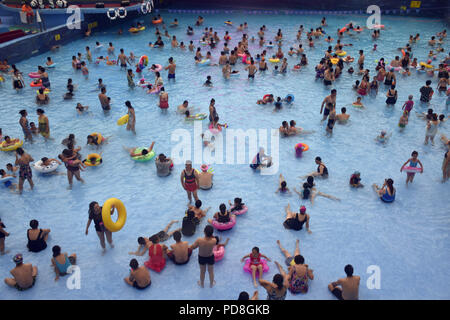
(131, 117)
(171, 67)
(44, 126)
(206, 255)
(25, 169)
(190, 181)
(25, 127)
(413, 162)
(95, 213)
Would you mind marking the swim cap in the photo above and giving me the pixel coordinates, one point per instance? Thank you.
(302, 209)
(188, 162)
(204, 167)
(18, 258)
(383, 132)
(356, 173)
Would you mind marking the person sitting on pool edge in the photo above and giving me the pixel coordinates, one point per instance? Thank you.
(139, 277)
(355, 180)
(181, 252)
(387, 190)
(295, 221)
(24, 274)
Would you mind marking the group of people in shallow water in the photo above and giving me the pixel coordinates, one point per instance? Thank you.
(298, 274)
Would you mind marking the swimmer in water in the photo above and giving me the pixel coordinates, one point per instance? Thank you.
(282, 185)
(133, 154)
(383, 137)
(403, 120)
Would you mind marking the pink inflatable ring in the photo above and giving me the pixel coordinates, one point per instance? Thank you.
(219, 252)
(224, 226)
(242, 211)
(248, 269)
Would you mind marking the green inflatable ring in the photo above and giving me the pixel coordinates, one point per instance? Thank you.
(149, 156)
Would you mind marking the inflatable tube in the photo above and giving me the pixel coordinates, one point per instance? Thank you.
(224, 226)
(428, 66)
(109, 12)
(242, 211)
(46, 91)
(378, 26)
(357, 106)
(343, 53)
(98, 160)
(214, 130)
(409, 169)
(394, 68)
(343, 29)
(291, 96)
(36, 85)
(123, 15)
(204, 62)
(198, 116)
(304, 145)
(13, 147)
(155, 90)
(51, 66)
(99, 137)
(6, 179)
(219, 252)
(158, 68)
(157, 21)
(276, 60)
(143, 61)
(334, 60)
(106, 214)
(248, 269)
(123, 120)
(149, 156)
(50, 168)
(229, 23)
(34, 75)
(269, 46)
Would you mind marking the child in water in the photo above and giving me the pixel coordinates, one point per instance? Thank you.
(282, 185)
(413, 161)
(255, 263)
(383, 137)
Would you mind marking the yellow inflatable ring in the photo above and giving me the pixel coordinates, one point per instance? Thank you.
(13, 147)
(123, 120)
(428, 66)
(106, 214)
(334, 60)
(98, 136)
(98, 160)
(229, 23)
(343, 53)
(274, 60)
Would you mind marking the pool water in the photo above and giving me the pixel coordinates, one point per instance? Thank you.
(407, 239)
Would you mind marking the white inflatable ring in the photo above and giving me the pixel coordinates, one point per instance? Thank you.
(6, 179)
(52, 167)
(124, 12)
(108, 13)
(144, 7)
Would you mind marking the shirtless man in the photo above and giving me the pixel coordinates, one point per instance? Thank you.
(223, 58)
(24, 124)
(25, 170)
(205, 178)
(104, 100)
(123, 59)
(139, 277)
(251, 69)
(361, 58)
(226, 70)
(198, 212)
(342, 117)
(181, 252)
(171, 67)
(24, 274)
(206, 255)
(349, 286)
(328, 99)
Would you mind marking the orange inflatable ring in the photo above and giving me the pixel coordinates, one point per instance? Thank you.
(304, 145)
(34, 85)
(266, 96)
(156, 21)
(343, 29)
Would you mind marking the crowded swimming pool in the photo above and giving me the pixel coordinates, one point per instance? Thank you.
(403, 238)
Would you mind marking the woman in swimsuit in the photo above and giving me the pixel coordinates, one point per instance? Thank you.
(413, 162)
(255, 263)
(41, 97)
(95, 213)
(24, 124)
(163, 99)
(44, 77)
(44, 127)
(296, 220)
(61, 261)
(212, 111)
(432, 127)
(277, 289)
(131, 117)
(387, 191)
(73, 165)
(189, 181)
(322, 170)
(37, 238)
(391, 96)
(446, 165)
(390, 78)
(24, 168)
(363, 86)
(156, 252)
